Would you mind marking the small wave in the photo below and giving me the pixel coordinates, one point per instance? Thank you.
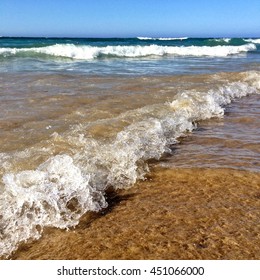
(64, 187)
(163, 38)
(91, 52)
(254, 41)
(226, 40)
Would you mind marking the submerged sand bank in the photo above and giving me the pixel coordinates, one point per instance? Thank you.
(175, 214)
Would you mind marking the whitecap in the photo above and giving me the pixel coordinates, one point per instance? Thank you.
(91, 52)
(254, 41)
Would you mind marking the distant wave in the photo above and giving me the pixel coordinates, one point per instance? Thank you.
(163, 39)
(255, 41)
(91, 52)
(226, 40)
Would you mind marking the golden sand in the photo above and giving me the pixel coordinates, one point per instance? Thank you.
(174, 214)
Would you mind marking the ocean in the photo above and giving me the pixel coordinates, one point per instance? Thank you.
(82, 118)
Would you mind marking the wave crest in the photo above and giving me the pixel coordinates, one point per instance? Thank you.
(254, 41)
(164, 38)
(90, 52)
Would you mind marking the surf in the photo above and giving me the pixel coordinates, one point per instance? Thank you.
(65, 186)
(138, 51)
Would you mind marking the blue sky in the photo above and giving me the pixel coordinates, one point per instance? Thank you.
(130, 18)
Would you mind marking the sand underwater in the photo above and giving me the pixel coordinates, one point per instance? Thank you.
(178, 212)
(207, 214)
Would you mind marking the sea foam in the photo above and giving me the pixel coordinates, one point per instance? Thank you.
(226, 40)
(163, 38)
(56, 194)
(92, 52)
(255, 41)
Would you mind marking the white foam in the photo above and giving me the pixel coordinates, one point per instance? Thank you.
(56, 194)
(199, 106)
(226, 40)
(8, 51)
(255, 41)
(90, 52)
(60, 190)
(145, 38)
(163, 38)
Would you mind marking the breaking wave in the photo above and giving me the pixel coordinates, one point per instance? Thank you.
(221, 40)
(254, 41)
(163, 38)
(91, 52)
(64, 187)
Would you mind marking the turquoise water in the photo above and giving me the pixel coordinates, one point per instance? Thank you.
(129, 56)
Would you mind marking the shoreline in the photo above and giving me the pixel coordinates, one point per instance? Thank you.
(192, 213)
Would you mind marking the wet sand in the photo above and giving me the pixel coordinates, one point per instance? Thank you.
(194, 213)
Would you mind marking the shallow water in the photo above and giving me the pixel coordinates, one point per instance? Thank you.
(71, 133)
(232, 142)
(188, 213)
(74, 136)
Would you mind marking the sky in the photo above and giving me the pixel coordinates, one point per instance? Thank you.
(130, 18)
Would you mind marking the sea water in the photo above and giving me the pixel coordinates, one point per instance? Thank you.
(80, 116)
